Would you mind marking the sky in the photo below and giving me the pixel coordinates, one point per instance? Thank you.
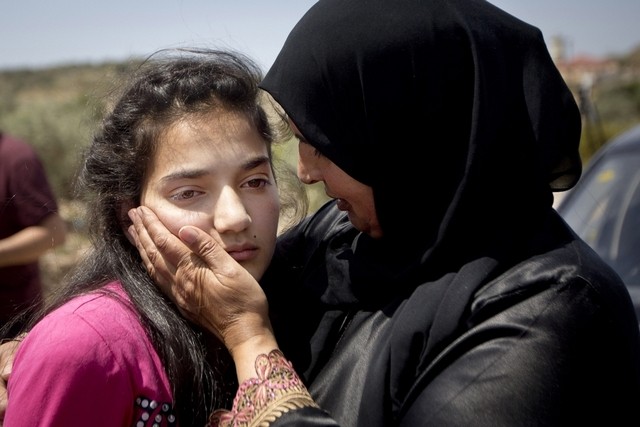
(36, 33)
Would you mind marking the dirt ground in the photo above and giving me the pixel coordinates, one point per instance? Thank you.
(57, 262)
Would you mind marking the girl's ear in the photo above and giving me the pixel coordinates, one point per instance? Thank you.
(125, 221)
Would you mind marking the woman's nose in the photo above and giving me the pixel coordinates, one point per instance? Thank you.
(230, 213)
(304, 175)
(307, 170)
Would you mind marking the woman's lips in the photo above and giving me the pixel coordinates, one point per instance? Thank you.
(342, 204)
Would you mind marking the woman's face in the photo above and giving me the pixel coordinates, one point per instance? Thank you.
(351, 195)
(214, 173)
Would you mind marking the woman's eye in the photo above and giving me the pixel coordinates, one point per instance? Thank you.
(316, 152)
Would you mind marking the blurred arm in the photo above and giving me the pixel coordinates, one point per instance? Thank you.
(30, 243)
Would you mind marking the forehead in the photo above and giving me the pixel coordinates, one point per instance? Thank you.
(216, 138)
(218, 129)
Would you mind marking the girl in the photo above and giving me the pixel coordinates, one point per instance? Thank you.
(189, 139)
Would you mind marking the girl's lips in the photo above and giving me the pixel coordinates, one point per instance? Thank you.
(244, 254)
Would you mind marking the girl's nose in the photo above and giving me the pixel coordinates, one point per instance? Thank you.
(230, 213)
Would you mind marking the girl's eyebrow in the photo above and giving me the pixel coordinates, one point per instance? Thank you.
(198, 173)
(256, 162)
(185, 174)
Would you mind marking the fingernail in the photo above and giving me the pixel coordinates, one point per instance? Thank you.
(188, 235)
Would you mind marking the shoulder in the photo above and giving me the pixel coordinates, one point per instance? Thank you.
(327, 231)
(15, 150)
(22, 170)
(572, 267)
(99, 328)
(91, 351)
(327, 219)
(327, 224)
(561, 323)
(569, 290)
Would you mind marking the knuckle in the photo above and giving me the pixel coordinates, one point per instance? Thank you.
(151, 269)
(162, 242)
(153, 256)
(207, 248)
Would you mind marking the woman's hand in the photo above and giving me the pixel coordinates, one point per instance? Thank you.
(207, 284)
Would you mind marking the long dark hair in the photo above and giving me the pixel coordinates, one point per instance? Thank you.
(168, 86)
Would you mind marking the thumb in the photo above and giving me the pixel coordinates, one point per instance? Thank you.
(205, 246)
(191, 236)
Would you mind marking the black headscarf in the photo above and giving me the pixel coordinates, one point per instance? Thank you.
(451, 110)
(455, 115)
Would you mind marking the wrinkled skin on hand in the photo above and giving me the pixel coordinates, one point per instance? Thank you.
(7, 351)
(209, 287)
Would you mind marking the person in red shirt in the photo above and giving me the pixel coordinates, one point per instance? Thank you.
(30, 225)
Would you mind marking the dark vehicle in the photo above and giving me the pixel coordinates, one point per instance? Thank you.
(604, 207)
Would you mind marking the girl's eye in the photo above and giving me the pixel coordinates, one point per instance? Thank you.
(185, 195)
(316, 152)
(257, 183)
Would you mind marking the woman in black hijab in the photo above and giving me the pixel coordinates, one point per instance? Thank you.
(470, 301)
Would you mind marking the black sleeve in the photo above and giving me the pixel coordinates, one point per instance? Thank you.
(304, 417)
(560, 358)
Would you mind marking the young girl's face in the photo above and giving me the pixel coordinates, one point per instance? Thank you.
(214, 173)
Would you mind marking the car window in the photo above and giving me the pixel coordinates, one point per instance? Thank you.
(605, 211)
(625, 247)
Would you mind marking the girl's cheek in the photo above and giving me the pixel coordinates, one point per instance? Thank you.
(175, 219)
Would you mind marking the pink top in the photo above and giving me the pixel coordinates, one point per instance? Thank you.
(89, 363)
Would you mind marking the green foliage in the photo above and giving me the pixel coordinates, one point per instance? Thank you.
(288, 152)
(616, 105)
(610, 104)
(56, 110)
(620, 102)
(58, 132)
